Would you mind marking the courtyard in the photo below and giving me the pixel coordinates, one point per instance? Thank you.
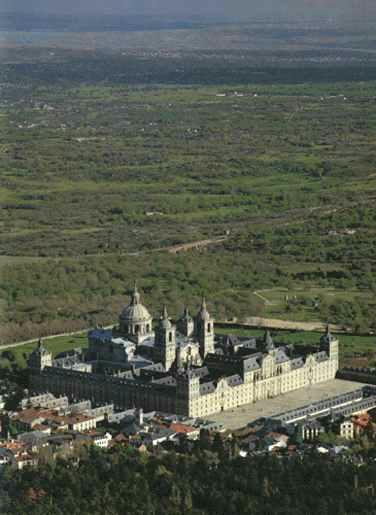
(240, 417)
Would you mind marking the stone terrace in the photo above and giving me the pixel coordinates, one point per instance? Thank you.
(240, 417)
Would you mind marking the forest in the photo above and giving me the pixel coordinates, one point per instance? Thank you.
(125, 481)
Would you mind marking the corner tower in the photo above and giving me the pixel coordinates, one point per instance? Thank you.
(187, 393)
(40, 358)
(204, 329)
(330, 344)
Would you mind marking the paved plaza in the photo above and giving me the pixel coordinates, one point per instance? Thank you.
(240, 417)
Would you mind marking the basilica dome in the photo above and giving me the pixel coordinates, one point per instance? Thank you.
(135, 320)
(135, 314)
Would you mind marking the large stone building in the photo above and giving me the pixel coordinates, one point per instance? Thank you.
(183, 368)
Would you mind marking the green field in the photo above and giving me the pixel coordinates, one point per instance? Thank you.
(305, 303)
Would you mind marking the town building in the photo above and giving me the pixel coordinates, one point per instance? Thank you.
(346, 429)
(311, 430)
(182, 368)
(97, 439)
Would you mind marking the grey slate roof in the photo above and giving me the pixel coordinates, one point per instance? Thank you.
(200, 372)
(169, 380)
(281, 356)
(252, 363)
(234, 380)
(250, 343)
(67, 361)
(158, 367)
(206, 388)
(104, 335)
(321, 356)
(297, 363)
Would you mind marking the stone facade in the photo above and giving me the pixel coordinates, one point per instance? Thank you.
(263, 377)
(182, 368)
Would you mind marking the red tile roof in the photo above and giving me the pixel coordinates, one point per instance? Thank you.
(182, 428)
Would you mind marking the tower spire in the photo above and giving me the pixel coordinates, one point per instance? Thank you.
(135, 294)
(268, 340)
(186, 323)
(203, 311)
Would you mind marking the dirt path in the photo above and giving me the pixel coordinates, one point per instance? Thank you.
(264, 299)
(194, 245)
(274, 323)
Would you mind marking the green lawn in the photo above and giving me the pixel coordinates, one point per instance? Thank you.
(350, 345)
(300, 300)
(55, 345)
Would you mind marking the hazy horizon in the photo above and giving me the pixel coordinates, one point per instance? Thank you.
(241, 10)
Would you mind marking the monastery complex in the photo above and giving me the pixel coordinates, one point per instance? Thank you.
(182, 368)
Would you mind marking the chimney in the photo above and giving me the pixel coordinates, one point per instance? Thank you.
(140, 417)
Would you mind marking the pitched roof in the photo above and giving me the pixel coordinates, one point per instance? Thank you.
(182, 428)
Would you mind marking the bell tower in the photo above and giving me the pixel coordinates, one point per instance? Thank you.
(165, 340)
(186, 325)
(204, 330)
